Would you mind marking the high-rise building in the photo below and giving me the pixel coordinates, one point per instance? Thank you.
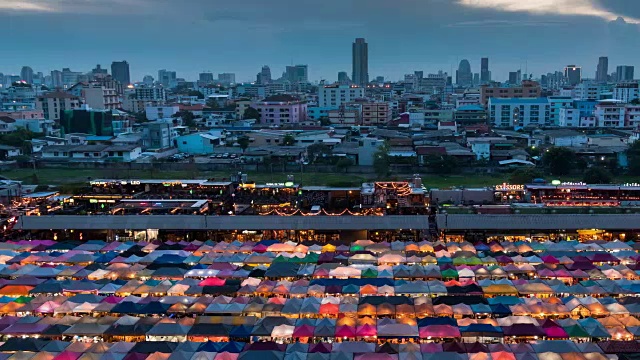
(476, 79)
(602, 72)
(120, 72)
(205, 77)
(297, 74)
(485, 75)
(573, 74)
(148, 80)
(464, 76)
(343, 78)
(26, 74)
(360, 58)
(513, 77)
(227, 78)
(624, 73)
(264, 76)
(56, 78)
(167, 78)
(99, 73)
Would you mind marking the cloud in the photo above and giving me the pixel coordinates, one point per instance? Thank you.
(504, 23)
(76, 6)
(547, 7)
(25, 6)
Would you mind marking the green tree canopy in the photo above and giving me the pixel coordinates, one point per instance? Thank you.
(524, 176)
(195, 93)
(251, 113)
(212, 103)
(559, 160)
(318, 150)
(633, 157)
(243, 141)
(442, 164)
(597, 175)
(288, 140)
(344, 163)
(382, 161)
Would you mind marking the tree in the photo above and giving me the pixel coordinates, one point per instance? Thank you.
(288, 140)
(597, 175)
(141, 117)
(318, 150)
(243, 141)
(324, 121)
(524, 176)
(382, 161)
(251, 113)
(559, 160)
(633, 157)
(344, 163)
(195, 93)
(187, 118)
(442, 164)
(212, 103)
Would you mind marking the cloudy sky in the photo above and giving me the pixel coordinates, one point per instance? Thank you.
(191, 36)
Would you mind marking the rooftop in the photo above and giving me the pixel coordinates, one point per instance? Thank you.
(539, 100)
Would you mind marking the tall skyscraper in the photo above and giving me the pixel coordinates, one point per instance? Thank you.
(343, 78)
(120, 72)
(227, 78)
(205, 77)
(573, 74)
(360, 57)
(297, 74)
(485, 74)
(264, 76)
(476, 79)
(148, 80)
(168, 79)
(56, 78)
(624, 73)
(464, 76)
(602, 72)
(513, 77)
(26, 74)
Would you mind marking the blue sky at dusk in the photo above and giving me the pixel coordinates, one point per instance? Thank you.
(191, 36)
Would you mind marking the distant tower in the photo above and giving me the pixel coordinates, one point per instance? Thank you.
(343, 78)
(464, 76)
(485, 74)
(26, 74)
(603, 69)
(120, 72)
(573, 74)
(264, 76)
(360, 57)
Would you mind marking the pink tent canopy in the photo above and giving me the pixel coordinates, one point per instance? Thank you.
(303, 331)
(439, 331)
(366, 330)
(345, 331)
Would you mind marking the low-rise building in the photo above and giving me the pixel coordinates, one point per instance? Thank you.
(336, 95)
(7, 124)
(346, 115)
(528, 89)
(161, 112)
(8, 152)
(202, 143)
(124, 153)
(54, 103)
(279, 110)
(626, 92)
(519, 112)
(610, 113)
(565, 137)
(470, 115)
(632, 116)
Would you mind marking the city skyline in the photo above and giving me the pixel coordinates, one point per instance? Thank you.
(466, 30)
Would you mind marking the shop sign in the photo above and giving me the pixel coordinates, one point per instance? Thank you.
(509, 187)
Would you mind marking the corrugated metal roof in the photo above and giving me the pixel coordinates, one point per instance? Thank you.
(538, 222)
(196, 222)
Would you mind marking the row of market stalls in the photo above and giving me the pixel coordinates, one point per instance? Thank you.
(150, 325)
(35, 349)
(558, 298)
